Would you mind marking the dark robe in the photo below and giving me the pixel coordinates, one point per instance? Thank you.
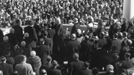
(6, 68)
(72, 46)
(18, 33)
(31, 40)
(86, 72)
(86, 50)
(76, 67)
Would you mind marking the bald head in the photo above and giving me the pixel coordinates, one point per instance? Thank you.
(23, 43)
(12, 30)
(32, 53)
(73, 36)
(5, 38)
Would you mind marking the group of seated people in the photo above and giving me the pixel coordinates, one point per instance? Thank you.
(46, 10)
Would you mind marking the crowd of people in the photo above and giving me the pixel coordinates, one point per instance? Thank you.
(67, 10)
(45, 47)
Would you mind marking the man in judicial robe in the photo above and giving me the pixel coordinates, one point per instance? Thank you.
(86, 49)
(72, 46)
(18, 31)
(58, 40)
(31, 40)
(12, 38)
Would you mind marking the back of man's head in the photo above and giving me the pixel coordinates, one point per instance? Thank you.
(32, 53)
(3, 59)
(75, 56)
(22, 58)
(73, 36)
(127, 55)
(49, 58)
(110, 68)
(86, 64)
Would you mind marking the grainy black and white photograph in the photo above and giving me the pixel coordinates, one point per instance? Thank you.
(66, 37)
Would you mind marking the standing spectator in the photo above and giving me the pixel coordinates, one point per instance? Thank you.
(24, 48)
(55, 70)
(10, 59)
(86, 49)
(48, 41)
(48, 65)
(72, 46)
(5, 45)
(76, 65)
(18, 31)
(6, 68)
(12, 37)
(24, 68)
(1, 40)
(109, 70)
(116, 44)
(44, 50)
(32, 35)
(127, 63)
(86, 70)
(35, 61)
(1, 73)
(1, 35)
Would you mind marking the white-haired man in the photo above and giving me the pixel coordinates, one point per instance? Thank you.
(23, 68)
(35, 61)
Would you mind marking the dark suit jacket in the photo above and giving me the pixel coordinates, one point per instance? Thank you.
(6, 68)
(49, 42)
(24, 69)
(35, 61)
(51, 33)
(12, 39)
(18, 33)
(86, 72)
(54, 72)
(116, 45)
(76, 67)
(72, 47)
